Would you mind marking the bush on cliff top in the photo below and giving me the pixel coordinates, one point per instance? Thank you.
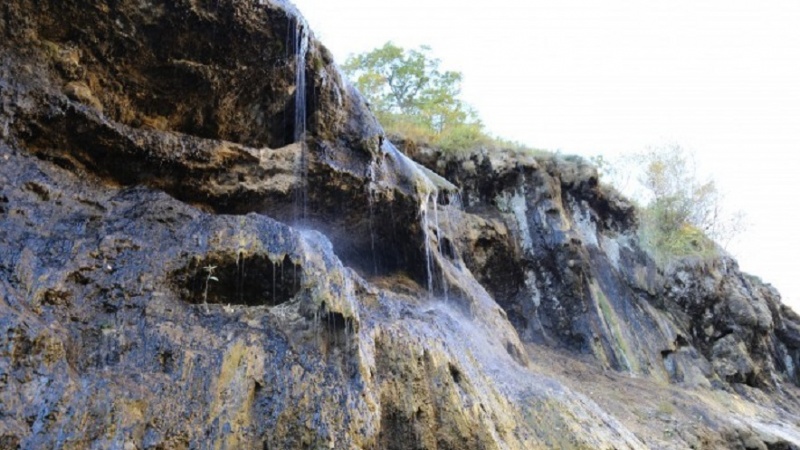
(682, 216)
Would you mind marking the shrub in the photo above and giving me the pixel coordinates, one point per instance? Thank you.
(683, 216)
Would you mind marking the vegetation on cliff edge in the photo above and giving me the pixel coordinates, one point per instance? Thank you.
(415, 100)
(680, 214)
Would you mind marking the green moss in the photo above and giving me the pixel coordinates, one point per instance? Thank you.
(612, 324)
(666, 408)
(318, 63)
(51, 49)
(554, 424)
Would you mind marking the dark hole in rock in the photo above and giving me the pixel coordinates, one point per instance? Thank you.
(108, 306)
(515, 353)
(79, 278)
(167, 361)
(779, 445)
(337, 330)
(56, 297)
(377, 233)
(672, 367)
(22, 347)
(399, 430)
(40, 190)
(455, 373)
(250, 280)
(448, 249)
(335, 322)
(722, 333)
(749, 378)
(9, 441)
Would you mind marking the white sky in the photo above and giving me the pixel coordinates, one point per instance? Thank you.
(721, 78)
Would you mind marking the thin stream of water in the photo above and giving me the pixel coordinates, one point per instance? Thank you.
(371, 194)
(297, 43)
(439, 240)
(427, 238)
(300, 51)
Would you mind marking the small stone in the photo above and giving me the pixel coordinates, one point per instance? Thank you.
(79, 91)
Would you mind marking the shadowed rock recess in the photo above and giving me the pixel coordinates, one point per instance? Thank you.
(207, 242)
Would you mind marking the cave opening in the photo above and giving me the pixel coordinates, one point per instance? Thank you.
(240, 279)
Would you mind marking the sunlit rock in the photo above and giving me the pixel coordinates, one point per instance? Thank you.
(207, 241)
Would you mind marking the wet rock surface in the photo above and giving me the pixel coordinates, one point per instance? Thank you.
(181, 268)
(559, 252)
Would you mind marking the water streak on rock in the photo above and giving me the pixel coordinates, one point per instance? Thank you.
(423, 216)
(297, 44)
(372, 192)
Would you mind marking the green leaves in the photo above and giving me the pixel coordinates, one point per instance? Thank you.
(411, 96)
(684, 215)
(681, 215)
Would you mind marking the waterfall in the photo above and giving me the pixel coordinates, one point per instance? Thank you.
(426, 236)
(430, 188)
(300, 49)
(435, 255)
(372, 192)
(454, 200)
(455, 207)
(439, 241)
(297, 46)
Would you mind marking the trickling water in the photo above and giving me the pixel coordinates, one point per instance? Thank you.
(437, 231)
(428, 186)
(394, 231)
(352, 303)
(371, 193)
(439, 240)
(297, 44)
(454, 200)
(434, 260)
(454, 206)
(427, 238)
(299, 51)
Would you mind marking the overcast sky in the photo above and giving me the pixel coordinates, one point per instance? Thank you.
(721, 78)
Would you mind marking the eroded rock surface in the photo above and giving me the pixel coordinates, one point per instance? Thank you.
(559, 252)
(181, 266)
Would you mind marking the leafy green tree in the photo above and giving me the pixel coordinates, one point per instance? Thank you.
(411, 96)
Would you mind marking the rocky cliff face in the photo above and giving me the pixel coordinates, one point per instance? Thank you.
(563, 259)
(191, 257)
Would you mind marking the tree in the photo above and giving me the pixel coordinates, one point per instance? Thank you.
(683, 215)
(410, 94)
